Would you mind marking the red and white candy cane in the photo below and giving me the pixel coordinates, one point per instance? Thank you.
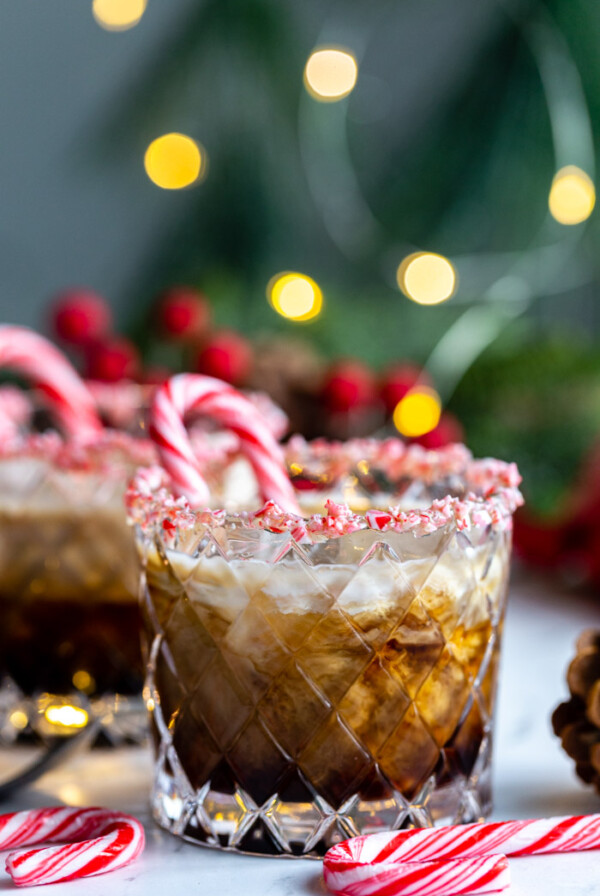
(185, 394)
(34, 357)
(15, 412)
(378, 863)
(480, 874)
(94, 841)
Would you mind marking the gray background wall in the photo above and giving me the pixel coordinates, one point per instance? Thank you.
(74, 213)
(69, 215)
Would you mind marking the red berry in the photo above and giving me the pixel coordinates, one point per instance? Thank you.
(112, 360)
(540, 543)
(348, 385)
(183, 313)
(447, 431)
(227, 356)
(80, 316)
(397, 380)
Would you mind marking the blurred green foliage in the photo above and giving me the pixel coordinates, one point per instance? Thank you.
(471, 175)
(537, 403)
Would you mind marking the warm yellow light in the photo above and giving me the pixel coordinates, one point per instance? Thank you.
(418, 412)
(18, 719)
(83, 681)
(427, 278)
(174, 161)
(118, 15)
(66, 716)
(330, 74)
(572, 196)
(295, 296)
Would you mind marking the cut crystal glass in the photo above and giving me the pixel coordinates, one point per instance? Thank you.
(303, 694)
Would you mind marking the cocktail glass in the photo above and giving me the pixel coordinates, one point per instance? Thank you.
(313, 679)
(69, 615)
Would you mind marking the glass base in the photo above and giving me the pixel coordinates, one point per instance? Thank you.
(234, 822)
(42, 717)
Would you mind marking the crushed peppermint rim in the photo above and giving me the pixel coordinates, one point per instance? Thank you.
(325, 462)
(491, 495)
(109, 452)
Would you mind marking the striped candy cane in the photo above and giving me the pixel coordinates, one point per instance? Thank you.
(94, 841)
(377, 863)
(34, 357)
(185, 394)
(481, 874)
(15, 412)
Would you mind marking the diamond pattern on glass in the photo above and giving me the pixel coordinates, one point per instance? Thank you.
(442, 697)
(194, 746)
(334, 654)
(189, 642)
(410, 754)
(377, 596)
(254, 652)
(204, 586)
(413, 648)
(277, 598)
(308, 698)
(169, 694)
(334, 825)
(220, 703)
(258, 762)
(164, 588)
(334, 762)
(373, 705)
(290, 701)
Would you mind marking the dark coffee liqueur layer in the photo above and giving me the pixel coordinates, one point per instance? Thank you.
(381, 688)
(68, 603)
(45, 645)
(391, 751)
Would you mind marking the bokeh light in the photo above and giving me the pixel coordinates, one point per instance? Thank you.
(572, 196)
(427, 278)
(295, 296)
(66, 716)
(83, 681)
(418, 412)
(330, 74)
(118, 15)
(18, 719)
(174, 161)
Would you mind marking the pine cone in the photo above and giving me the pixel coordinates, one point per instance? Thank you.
(577, 722)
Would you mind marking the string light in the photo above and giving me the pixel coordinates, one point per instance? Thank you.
(418, 412)
(174, 161)
(66, 716)
(295, 296)
(572, 196)
(330, 74)
(118, 15)
(427, 278)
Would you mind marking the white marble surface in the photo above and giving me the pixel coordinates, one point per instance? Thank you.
(533, 778)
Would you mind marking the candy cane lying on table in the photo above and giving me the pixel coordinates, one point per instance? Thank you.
(186, 393)
(94, 841)
(481, 874)
(402, 863)
(34, 357)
